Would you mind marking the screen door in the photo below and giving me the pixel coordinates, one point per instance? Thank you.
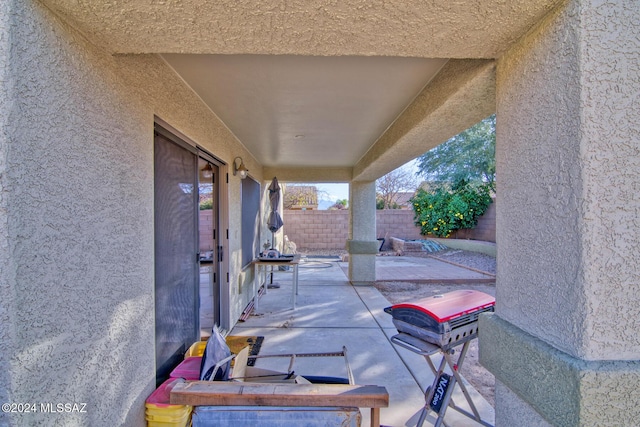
(176, 249)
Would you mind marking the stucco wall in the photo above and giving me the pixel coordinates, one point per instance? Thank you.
(511, 412)
(539, 177)
(610, 153)
(7, 271)
(77, 209)
(567, 156)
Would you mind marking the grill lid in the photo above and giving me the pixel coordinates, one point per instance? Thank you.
(451, 305)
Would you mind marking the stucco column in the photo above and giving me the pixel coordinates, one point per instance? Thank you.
(564, 343)
(362, 244)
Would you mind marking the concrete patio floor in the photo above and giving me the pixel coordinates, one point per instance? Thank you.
(331, 313)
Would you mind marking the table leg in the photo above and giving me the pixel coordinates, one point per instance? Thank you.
(266, 279)
(375, 417)
(294, 292)
(256, 287)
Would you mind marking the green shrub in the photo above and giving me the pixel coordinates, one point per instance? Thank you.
(206, 204)
(444, 210)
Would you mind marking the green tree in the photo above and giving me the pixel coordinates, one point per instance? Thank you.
(206, 204)
(299, 196)
(339, 205)
(469, 156)
(392, 184)
(445, 210)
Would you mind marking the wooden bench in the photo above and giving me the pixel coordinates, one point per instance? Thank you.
(213, 393)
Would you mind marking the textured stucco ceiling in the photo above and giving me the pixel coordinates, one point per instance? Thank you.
(287, 110)
(431, 29)
(320, 85)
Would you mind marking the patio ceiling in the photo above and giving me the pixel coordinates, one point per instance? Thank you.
(305, 111)
(320, 91)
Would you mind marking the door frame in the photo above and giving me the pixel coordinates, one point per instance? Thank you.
(176, 291)
(223, 220)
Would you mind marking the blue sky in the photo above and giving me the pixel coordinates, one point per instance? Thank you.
(338, 191)
(333, 192)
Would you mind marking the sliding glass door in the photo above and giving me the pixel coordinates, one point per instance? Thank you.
(211, 251)
(176, 249)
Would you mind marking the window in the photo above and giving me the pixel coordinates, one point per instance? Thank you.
(250, 220)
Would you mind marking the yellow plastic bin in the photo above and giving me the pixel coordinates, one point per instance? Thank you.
(196, 349)
(160, 421)
(160, 413)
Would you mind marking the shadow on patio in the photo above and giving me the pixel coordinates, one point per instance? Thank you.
(331, 313)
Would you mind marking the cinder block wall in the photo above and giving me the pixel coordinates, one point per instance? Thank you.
(330, 229)
(206, 230)
(396, 223)
(317, 229)
(485, 229)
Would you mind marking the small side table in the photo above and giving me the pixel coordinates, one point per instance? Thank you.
(258, 265)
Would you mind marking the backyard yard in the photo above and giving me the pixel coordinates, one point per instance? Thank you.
(396, 292)
(401, 291)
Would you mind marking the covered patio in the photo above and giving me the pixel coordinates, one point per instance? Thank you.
(330, 313)
(111, 112)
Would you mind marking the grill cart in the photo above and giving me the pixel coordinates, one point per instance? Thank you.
(441, 324)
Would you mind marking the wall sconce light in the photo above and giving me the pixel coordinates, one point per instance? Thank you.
(241, 169)
(207, 171)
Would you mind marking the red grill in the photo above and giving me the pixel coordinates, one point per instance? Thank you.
(445, 320)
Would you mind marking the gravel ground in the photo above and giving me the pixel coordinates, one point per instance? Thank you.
(396, 292)
(475, 260)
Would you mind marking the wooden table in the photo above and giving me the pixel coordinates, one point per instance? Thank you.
(258, 265)
(217, 393)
